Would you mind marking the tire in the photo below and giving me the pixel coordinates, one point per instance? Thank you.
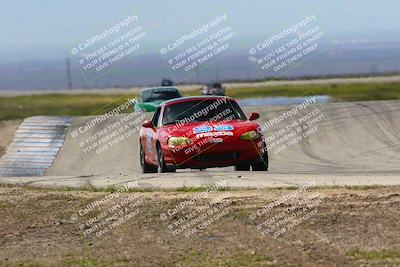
(242, 167)
(162, 167)
(261, 164)
(146, 168)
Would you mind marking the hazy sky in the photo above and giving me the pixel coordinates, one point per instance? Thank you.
(52, 26)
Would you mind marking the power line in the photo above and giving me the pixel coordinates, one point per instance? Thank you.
(69, 74)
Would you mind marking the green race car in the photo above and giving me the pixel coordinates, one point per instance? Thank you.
(151, 98)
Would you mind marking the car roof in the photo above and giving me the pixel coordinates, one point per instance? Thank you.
(160, 89)
(193, 98)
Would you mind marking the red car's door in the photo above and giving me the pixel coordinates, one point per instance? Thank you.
(151, 137)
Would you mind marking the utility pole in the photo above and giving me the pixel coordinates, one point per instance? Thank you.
(197, 74)
(69, 74)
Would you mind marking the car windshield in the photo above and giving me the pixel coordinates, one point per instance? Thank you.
(155, 95)
(202, 110)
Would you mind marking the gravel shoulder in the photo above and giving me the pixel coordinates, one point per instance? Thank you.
(351, 227)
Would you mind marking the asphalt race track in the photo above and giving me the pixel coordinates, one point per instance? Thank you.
(343, 143)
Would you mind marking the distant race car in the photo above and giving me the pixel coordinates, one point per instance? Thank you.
(151, 98)
(213, 89)
(201, 132)
(167, 82)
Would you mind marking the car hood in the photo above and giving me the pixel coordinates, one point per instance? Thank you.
(191, 129)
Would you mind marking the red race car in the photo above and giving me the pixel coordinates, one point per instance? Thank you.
(201, 132)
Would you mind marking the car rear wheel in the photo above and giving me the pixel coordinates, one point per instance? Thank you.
(162, 167)
(146, 168)
(242, 167)
(261, 164)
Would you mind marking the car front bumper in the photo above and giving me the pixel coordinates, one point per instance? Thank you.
(214, 155)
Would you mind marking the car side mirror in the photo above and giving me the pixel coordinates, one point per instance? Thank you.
(254, 116)
(147, 124)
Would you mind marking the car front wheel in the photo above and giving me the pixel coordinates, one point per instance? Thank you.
(261, 164)
(162, 167)
(146, 168)
(242, 167)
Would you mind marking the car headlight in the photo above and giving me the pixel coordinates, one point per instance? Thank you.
(250, 135)
(178, 141)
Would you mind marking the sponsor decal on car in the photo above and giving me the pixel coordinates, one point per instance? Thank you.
(214, 134)
(216, 140)
(202, 129)
(223, 128)
(207, 128)
(148, 143)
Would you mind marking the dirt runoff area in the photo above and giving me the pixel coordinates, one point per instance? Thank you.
(7, 131)
(273, 227)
